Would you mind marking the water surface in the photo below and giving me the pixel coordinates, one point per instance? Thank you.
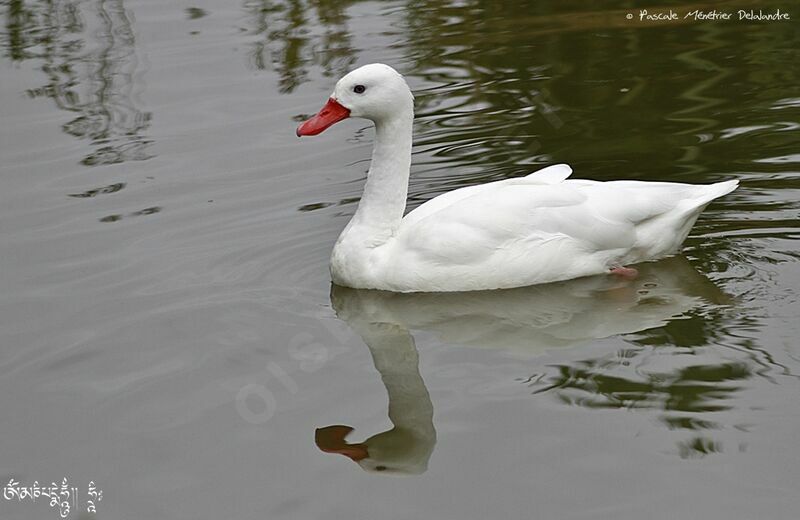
(168, 327)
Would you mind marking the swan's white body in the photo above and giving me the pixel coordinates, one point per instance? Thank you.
(511, 233)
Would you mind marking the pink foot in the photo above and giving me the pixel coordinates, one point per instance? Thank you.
(628, 273)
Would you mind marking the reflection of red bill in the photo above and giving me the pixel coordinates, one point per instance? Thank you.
(331, 113)
(331, 440)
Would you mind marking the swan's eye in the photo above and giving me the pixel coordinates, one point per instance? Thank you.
(359, 89)
(381, 468)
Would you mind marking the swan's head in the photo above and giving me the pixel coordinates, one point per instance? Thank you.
(376, 92)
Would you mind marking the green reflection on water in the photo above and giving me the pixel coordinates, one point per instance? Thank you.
(691, 389)
(285, 40)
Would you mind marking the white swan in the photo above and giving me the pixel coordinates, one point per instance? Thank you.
(511, 233)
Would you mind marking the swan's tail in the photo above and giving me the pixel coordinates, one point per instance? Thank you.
(717, 190)
(664, 234)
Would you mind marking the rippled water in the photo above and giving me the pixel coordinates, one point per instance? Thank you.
(168, 326)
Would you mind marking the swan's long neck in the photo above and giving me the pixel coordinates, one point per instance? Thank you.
(384, 200)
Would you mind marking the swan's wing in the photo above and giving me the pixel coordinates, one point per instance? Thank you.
(570, 217)
(506, 217)
(550, 175)
(638, 202)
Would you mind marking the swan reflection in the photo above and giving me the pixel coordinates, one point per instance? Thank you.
(406, 447)
(530, 319)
